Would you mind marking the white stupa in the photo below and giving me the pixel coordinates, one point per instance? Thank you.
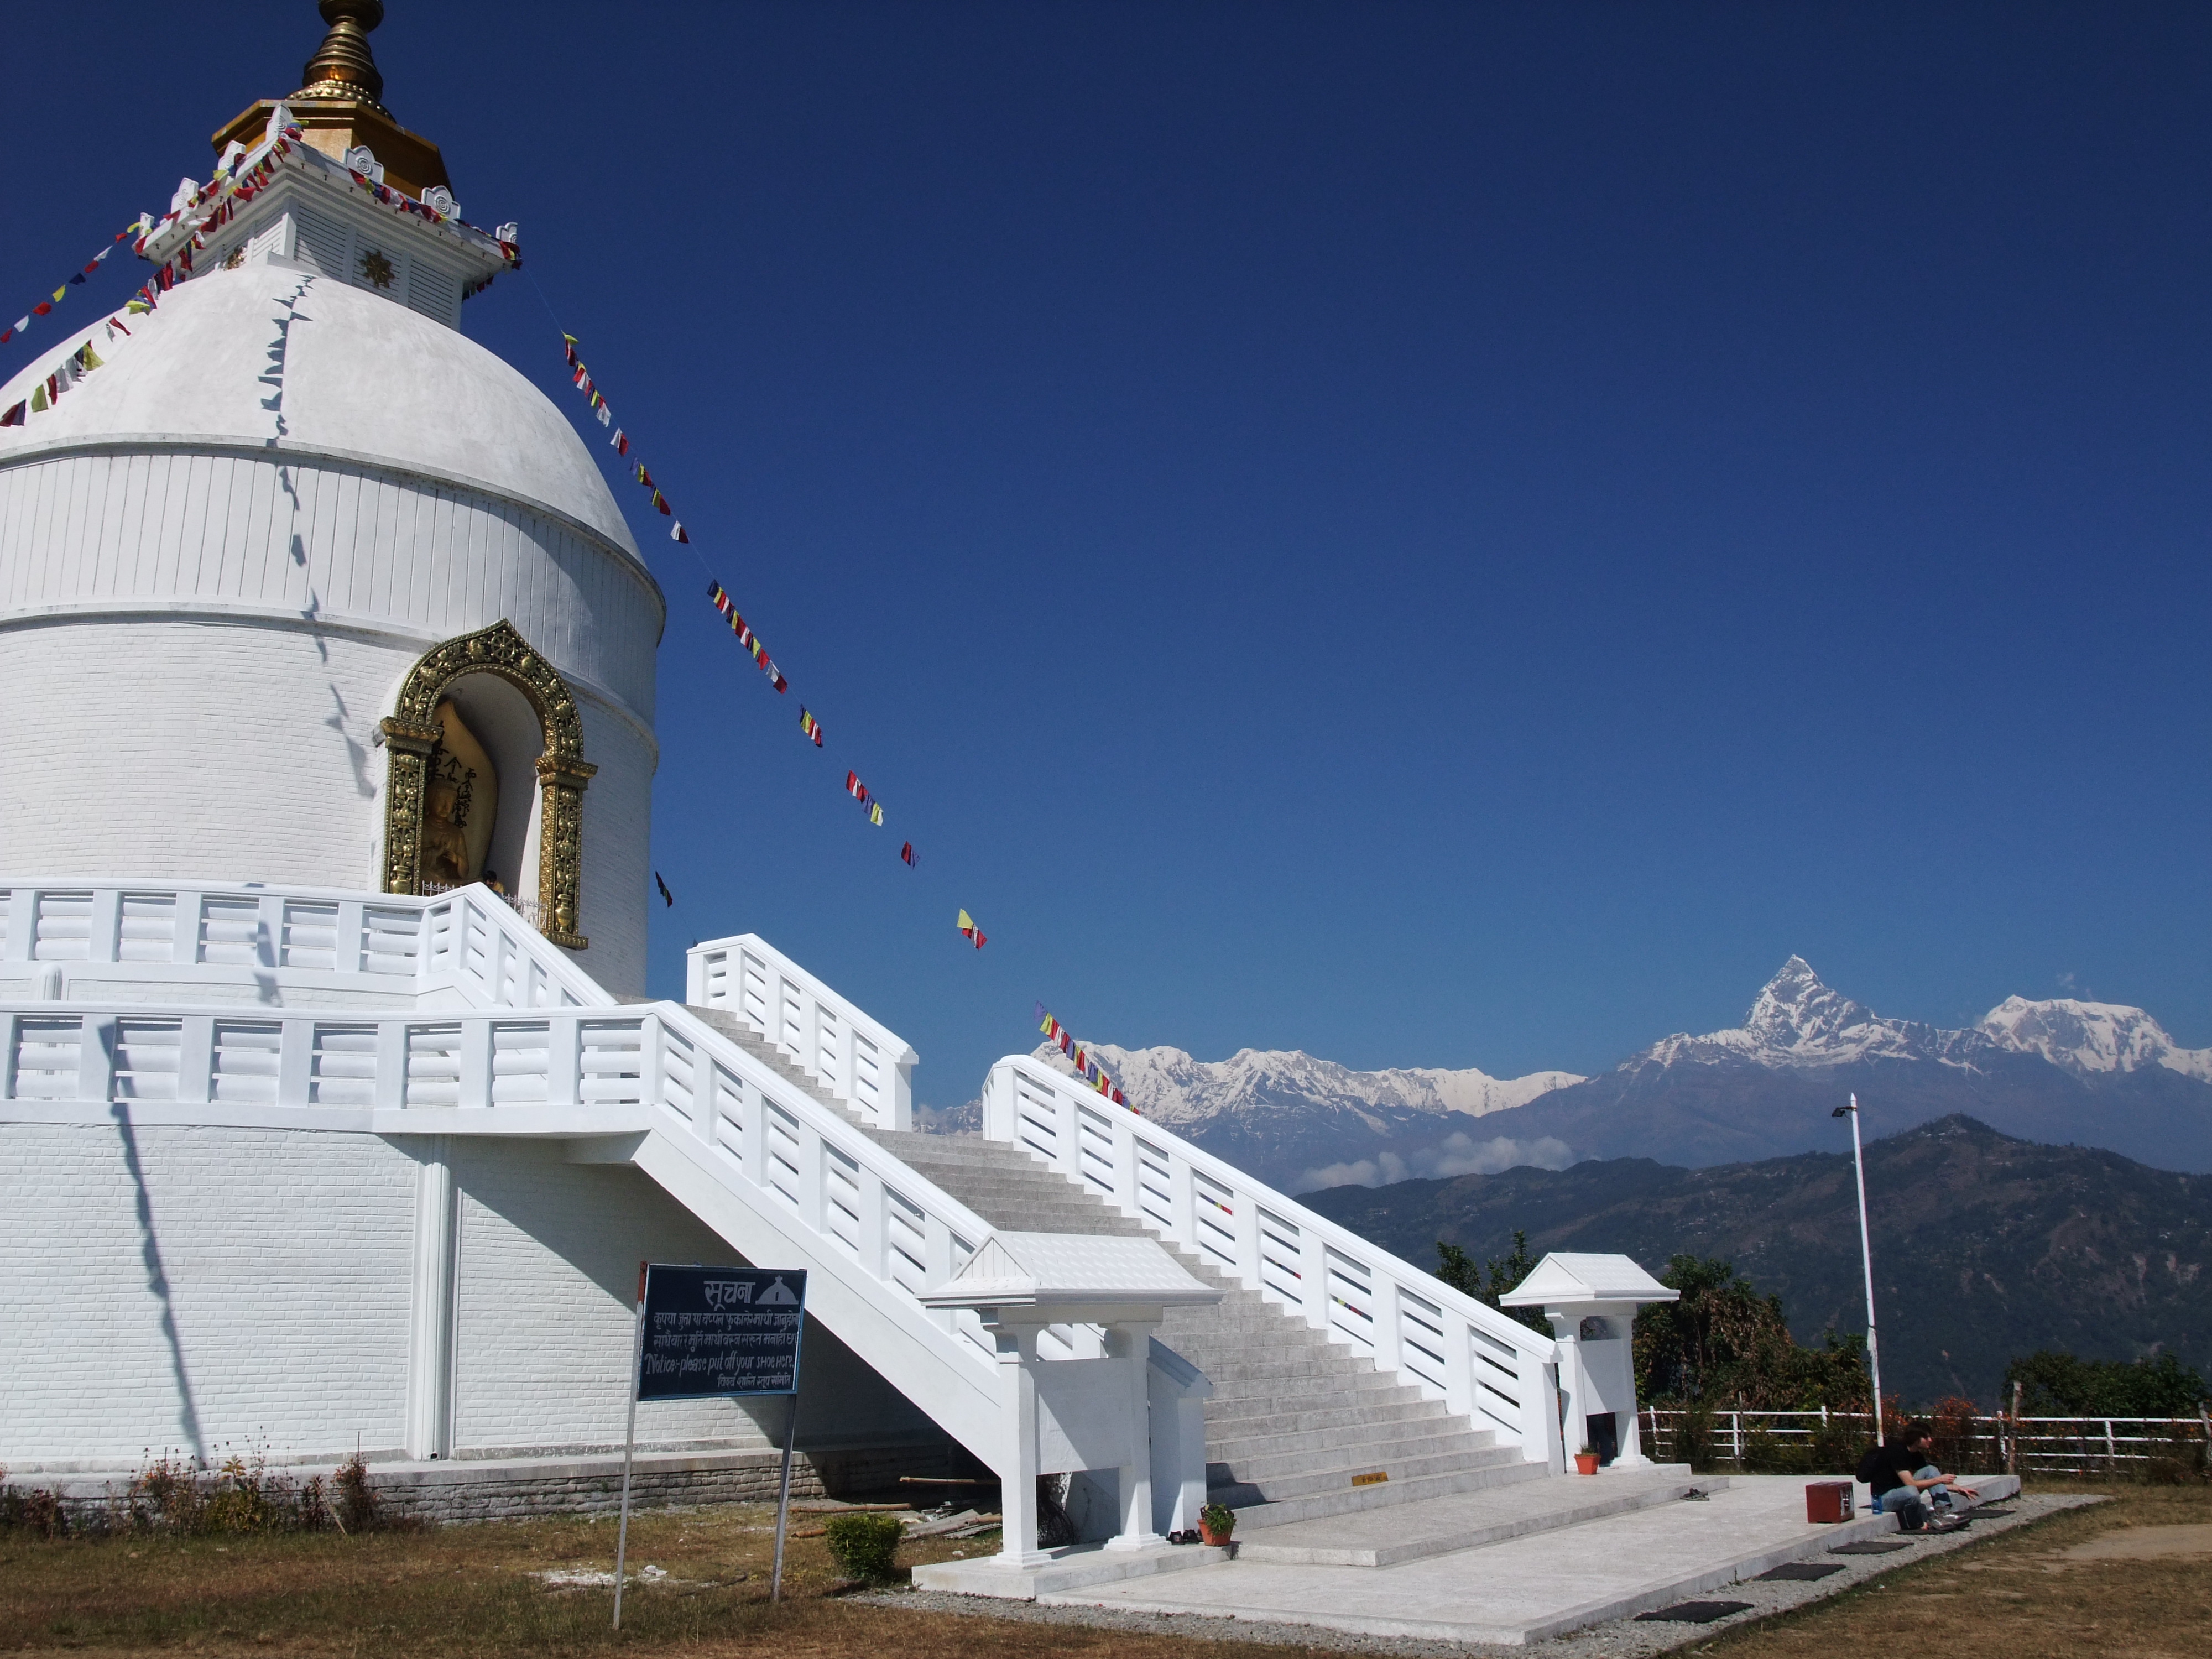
(234, 559)
(331, 1116)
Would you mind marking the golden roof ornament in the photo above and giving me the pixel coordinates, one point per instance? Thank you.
(340, 109)
(343, 66)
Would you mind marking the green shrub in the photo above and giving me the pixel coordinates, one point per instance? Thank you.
(866, 1546)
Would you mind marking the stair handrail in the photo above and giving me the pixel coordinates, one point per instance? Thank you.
(572, 1071)
(842, 1048)
(1491, 1369)
(467, 941)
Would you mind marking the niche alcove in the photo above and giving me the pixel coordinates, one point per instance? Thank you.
(477, 720)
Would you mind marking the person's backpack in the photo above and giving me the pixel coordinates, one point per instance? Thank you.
(1870, 1467)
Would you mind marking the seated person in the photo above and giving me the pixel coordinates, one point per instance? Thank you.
(1903, 1473)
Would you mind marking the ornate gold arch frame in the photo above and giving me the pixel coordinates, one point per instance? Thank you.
(412, 731)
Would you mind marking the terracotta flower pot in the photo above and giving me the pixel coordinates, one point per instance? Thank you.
(1216, 1537)
(1586, 1462)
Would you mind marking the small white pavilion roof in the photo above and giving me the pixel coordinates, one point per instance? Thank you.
(1565, 1277)
(1071, 1270)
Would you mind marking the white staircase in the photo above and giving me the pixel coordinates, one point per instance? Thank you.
(1344, 1380)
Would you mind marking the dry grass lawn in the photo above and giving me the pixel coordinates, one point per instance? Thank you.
(2117, 1578)
(2128, 1579)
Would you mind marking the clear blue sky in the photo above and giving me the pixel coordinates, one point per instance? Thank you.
(1436, 535)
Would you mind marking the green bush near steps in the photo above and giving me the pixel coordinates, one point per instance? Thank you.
(866, 1546)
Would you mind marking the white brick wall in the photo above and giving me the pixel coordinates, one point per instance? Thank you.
(549, 1253)
(286, 1257)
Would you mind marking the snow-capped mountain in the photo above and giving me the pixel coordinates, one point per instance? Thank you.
(1175, 1090)
(2059, 1072)
(1300, 1122)
(2088, 1038)
(1799, 1021)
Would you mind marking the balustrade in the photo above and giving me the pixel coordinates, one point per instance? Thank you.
(1497, 1373)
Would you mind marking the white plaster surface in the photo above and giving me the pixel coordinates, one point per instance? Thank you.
(358, 373)
(281, 1259)
(548, 1269)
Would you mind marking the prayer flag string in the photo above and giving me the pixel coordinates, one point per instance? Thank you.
(1086, 1065)
(77, 279)
(580, 377)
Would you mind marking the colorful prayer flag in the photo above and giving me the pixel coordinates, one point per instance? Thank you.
(621, 441)
(907, 852)
(677, 533)
(13, 416)
(809, 726)
(667, 897)
(854, 787)
(43, 308)
(606, 415)
(643, 476)
(967, 925)
(662, 501)
(876, 813)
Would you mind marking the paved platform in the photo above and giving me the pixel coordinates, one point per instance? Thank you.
(1084, 1567)
(1523, 1589)
(1463, 1520)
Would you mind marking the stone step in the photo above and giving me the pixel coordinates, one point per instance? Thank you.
(1246, 1427)
(1406, 1453)
(1334, 1472)
(1437, 1526)
(1367, 1430)
(1255, 1511)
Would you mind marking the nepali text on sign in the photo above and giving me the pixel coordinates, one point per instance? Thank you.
(718, 1331)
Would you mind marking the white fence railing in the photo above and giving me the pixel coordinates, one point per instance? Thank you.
(1497, 1373)
(2016, 1445)
(467, 942)
(856, 1059)
(825, 1174)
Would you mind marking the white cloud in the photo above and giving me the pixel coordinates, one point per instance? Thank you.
(1461, 1155)
(1457, 1154)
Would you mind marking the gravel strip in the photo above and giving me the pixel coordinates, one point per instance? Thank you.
(1618, 1638)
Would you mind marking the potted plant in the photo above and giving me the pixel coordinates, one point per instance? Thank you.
(1586, 1461)
(1216, 1521)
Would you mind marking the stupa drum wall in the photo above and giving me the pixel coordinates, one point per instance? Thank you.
(285, 1263)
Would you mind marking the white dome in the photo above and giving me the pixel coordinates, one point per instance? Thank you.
(361, 377)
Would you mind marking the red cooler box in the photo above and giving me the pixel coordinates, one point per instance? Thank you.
(1827, 1500)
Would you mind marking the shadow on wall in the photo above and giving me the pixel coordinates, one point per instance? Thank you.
(157, 1278)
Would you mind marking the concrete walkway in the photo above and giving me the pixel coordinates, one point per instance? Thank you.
(1522, 1588)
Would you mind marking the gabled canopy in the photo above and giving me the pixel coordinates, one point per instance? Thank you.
(1070, 1272)
(1565, 1277)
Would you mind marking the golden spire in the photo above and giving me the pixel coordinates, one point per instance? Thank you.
(338, 110)
(343, 66)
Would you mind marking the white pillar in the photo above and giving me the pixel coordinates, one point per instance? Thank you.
(430, 1340)
(1132, 1345)
(1018, 1455)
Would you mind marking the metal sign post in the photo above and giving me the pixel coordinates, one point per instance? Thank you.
(630, 1442)
(715, 1332)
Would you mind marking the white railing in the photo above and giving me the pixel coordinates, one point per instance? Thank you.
(468, 942)
(1499, 1374)
(854, 1057)
(2015, 1445)
(484, 1073)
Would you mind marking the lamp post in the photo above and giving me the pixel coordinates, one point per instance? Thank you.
(1866, 1259)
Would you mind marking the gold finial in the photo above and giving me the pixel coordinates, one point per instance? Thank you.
(343, 66)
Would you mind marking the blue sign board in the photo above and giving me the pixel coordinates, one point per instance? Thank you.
(711, 1332)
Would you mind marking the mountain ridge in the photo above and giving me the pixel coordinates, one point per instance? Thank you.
(1986, 1246)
